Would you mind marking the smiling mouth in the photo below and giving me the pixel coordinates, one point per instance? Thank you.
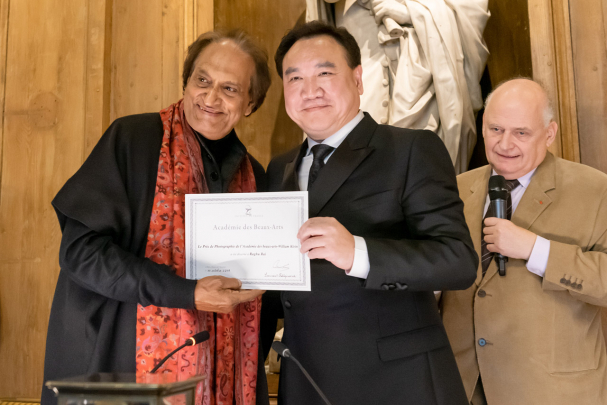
(314, 108)
(507, 157)
(208, 110)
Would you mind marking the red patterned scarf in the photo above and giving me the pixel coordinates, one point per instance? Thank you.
(229, 357)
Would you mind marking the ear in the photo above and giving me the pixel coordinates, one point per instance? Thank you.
(551, 133)
(249, 110)
(358, 78)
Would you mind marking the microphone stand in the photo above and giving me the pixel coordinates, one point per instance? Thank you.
(284, 351)
(194, 340)
(303, 370)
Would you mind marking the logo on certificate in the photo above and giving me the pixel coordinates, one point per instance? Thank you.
(248, 212)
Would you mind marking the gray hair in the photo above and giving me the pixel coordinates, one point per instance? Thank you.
(548, 113)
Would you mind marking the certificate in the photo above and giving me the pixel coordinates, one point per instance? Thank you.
(248, 236)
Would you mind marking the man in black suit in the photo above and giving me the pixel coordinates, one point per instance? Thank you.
(369, 331)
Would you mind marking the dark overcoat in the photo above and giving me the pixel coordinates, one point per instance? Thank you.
(104, 212)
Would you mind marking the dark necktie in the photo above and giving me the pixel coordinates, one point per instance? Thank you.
(320, 152)
(487, 256)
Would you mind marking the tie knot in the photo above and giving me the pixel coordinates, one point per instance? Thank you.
(321, 151)
(512, 184)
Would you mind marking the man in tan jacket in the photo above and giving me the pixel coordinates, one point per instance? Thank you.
(535, 335)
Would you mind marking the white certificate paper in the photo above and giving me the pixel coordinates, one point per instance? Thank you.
(249, 236)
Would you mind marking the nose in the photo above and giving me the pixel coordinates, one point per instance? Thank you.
(212, 96)
(506, 141)
(310, 89)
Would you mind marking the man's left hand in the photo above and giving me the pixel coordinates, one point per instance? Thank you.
(325, 238)
(502, 236)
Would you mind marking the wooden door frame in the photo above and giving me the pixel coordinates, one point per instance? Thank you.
(552, 61)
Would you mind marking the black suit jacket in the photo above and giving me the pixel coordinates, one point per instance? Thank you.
(379, 340)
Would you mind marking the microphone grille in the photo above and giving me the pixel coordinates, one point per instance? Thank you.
(200, 337)
(497, 182)
(497, 188)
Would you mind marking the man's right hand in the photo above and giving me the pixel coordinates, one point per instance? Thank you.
(221, 294)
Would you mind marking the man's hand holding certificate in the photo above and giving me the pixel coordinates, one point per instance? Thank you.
(248, 236)
(221, 294)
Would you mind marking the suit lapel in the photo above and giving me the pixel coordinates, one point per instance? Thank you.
(533, 203)
(352, 151)
(535, 200)
(473, 211)
(290, 180)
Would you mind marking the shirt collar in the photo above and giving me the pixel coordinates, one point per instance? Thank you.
(524, 180)
(337, 138)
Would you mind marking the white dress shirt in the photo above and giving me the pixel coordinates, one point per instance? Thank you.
(360, 266)
(538, 260)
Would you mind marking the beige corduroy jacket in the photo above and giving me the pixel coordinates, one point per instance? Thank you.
(538, 340)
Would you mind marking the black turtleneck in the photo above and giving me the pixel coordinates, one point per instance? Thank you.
(219, 148)
(221, 159)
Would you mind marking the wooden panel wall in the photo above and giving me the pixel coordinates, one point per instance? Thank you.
(543, 56)
(269, 131)
(150, 43)
(507, 37)
(3, 45)
(563, 71)
(43, 138)
(553, 67)
(589, 39)
(97, 76)
(67, 68)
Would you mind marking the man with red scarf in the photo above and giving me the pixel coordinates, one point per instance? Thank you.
(122, 302)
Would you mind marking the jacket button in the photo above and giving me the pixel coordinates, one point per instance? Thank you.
(482, 342)
(385, 287)
(482, 293)
(578, 287)
(287, 304)
(563, 280)
(574, 286)
(214, 176)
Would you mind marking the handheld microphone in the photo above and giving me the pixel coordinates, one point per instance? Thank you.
(194, 340)
(284, 352)
(498, 195)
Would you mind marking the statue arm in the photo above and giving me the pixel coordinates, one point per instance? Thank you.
(393, 9)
